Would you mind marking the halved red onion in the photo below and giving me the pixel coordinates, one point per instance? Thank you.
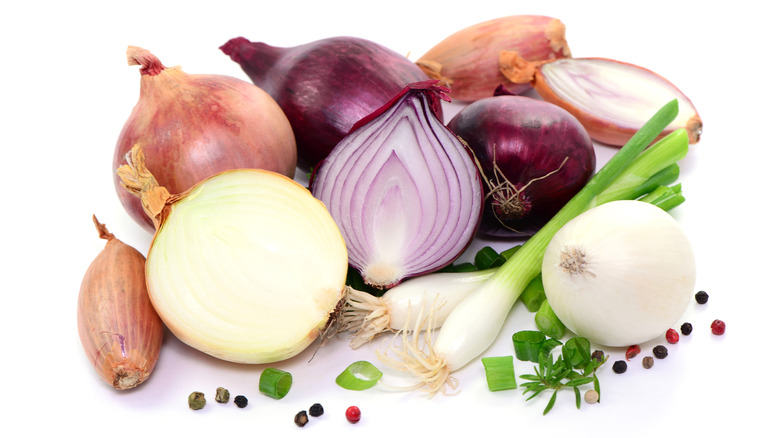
(403, 189)
(612, 99)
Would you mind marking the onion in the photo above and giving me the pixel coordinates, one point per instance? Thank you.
(325, 86)
(506, 50)
(118, 327)
(534, 157)
(619, 274)
(403, 189)
(245, 266)
(612, 99)
(194, 126)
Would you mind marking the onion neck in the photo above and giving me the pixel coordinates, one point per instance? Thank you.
(254, 58)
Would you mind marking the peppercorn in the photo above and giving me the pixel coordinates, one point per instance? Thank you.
(223, 395)
(240, 401)
(597, 355)
(702, 297)
(301, 419)
(196, 400)
(648, 362)
(672, 336)
(316, 410)
(591, 396)
(619, 366)
(353, 414)
(660, 351)
(718, 327)
(686, 328)
(632, 351)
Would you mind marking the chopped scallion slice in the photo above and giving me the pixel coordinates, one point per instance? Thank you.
(528, 344)
(358, 376)
(500, 373)
(548, 323)
(487, 258)
(533, 295)
(275, 383)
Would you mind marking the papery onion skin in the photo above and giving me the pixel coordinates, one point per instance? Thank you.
(119, 329)
(534, 157)
(401, 162)
(607, 130)
(475, 60)
(246, 266)
(325, 86)
(193, 126)
(620, 274)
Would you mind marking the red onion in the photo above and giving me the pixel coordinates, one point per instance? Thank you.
(613, 99)
(194, 126)
(534, 157)
(324, 86)
(405, 192)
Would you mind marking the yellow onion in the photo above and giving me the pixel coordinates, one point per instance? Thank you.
(119, 329)
(474, 61)
(246, 266)
(193, 126)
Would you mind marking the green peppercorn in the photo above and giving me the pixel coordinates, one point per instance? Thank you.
(301, 419)
(619, 366)
(223, 395)
(197, 400)
(686, 328)
(240, 401)
(660, 351)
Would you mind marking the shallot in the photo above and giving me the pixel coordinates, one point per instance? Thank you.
(193, 126)
(119, 329)
(475, 60)
(612, 99)
(403, 189)
(246, 266)
(325, 86)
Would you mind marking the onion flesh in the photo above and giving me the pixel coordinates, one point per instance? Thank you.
(612, 99)
(403, 189)
(534, 157)
(619, 274)
(193, 126)
(246, 266)
(325, 86)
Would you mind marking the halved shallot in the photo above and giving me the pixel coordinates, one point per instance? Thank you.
(245, 266)
(404, 190)
(612, 99)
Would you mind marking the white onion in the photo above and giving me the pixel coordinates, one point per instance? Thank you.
(619, 274)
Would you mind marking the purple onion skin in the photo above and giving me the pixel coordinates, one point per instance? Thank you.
(528, 140)
(325, 86)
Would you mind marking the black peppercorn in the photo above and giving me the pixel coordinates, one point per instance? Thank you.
(660, 351)
(240, 401)
(597, 355)
(316, 410)
(702, 297)
(620, 366)
(686, 328)
(301, 419)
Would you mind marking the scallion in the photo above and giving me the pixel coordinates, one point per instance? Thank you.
(359, 376)
(548, 323)
(500, 373)
(275, 383)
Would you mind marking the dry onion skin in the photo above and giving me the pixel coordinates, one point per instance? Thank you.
(193, 126)
(473, 61)
(247, 266)
(613, 99)
(119, 329)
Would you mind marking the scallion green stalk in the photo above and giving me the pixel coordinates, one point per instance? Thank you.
(475, 323)
(500, 373)
(548, 323)
(275, 383)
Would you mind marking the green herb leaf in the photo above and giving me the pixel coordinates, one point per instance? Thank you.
(551, 402)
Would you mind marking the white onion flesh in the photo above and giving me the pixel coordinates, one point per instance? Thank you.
(247, 267)
(619, 274)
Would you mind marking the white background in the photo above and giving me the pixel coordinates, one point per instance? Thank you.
(67, 91)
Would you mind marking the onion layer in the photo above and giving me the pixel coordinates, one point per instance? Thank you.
(403, 189)
(613, 99)
(246, 266)
(194, 126)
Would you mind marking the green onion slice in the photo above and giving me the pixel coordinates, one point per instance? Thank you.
(359, 376)
(275, 383)
(528, 344)
(500, 373)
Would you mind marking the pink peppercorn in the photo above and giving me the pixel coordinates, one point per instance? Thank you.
(353, 414)
(632, 352)
(718, 327)
(672, 336)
